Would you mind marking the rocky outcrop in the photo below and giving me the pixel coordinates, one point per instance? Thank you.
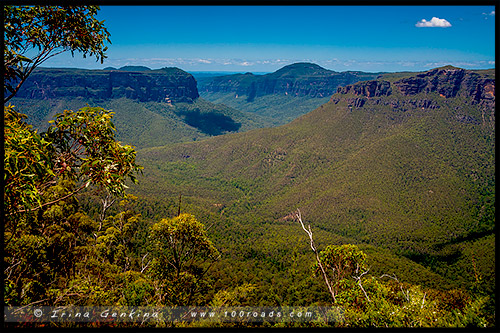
(300, 79)
(139, 83)
(368, 89)
(448, 82)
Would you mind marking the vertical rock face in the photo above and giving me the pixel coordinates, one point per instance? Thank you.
(448, 82)
(167, 84)
(368, 89)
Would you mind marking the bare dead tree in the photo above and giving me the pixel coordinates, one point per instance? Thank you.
(423, 300)
(107, 202)
(313, 247)
(405, 294)
(144, 267)
(358, 278)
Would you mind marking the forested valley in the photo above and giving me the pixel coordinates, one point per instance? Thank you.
(128, 188)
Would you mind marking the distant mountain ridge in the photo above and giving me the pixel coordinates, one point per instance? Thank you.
(299, 79)
(293, 90)
(140, 83)
(447, 81)
(281, 96)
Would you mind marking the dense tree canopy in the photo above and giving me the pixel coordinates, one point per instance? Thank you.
(45, 232)
(65, 249)
(182, 253)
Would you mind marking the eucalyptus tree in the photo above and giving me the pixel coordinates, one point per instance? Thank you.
(33, 34)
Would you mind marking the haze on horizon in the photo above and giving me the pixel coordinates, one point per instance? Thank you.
(267, 38)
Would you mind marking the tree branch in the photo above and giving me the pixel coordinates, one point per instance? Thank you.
(358, 278)
(309, 233)
(143, 268)
(23, 307)
(49, 203)
(407, 294)
(44, 55)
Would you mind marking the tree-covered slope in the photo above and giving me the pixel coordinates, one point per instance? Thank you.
(149, 124)
(405, 162)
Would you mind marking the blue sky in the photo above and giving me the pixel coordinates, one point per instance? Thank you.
(266, 38)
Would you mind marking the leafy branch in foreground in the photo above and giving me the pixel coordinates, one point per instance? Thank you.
(79, 146)
(33, 34)
(28, 163)
(87, 151)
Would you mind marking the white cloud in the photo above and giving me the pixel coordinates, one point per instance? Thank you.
(433, 23)
(490, 14)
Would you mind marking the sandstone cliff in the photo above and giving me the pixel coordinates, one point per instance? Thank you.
(166, 84)
(446, 81)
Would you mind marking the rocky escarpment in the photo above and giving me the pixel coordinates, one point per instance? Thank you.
(450, 82)
(368, 88)
(166, 84)
(447, 82)
(300, 79)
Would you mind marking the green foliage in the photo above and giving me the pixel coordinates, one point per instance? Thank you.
(235, 297)
(392, 175)
(273, 110)
(379, 302)
(345, 259)
(33, 34)
(412, 187)
(87, 151)
(181, 241)
(44, 251)
(341, 262)
(41, 250)
(182, 253)
(80, 146)
(395, 304)
(165, 123)
(62, 256)
(27, 162)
